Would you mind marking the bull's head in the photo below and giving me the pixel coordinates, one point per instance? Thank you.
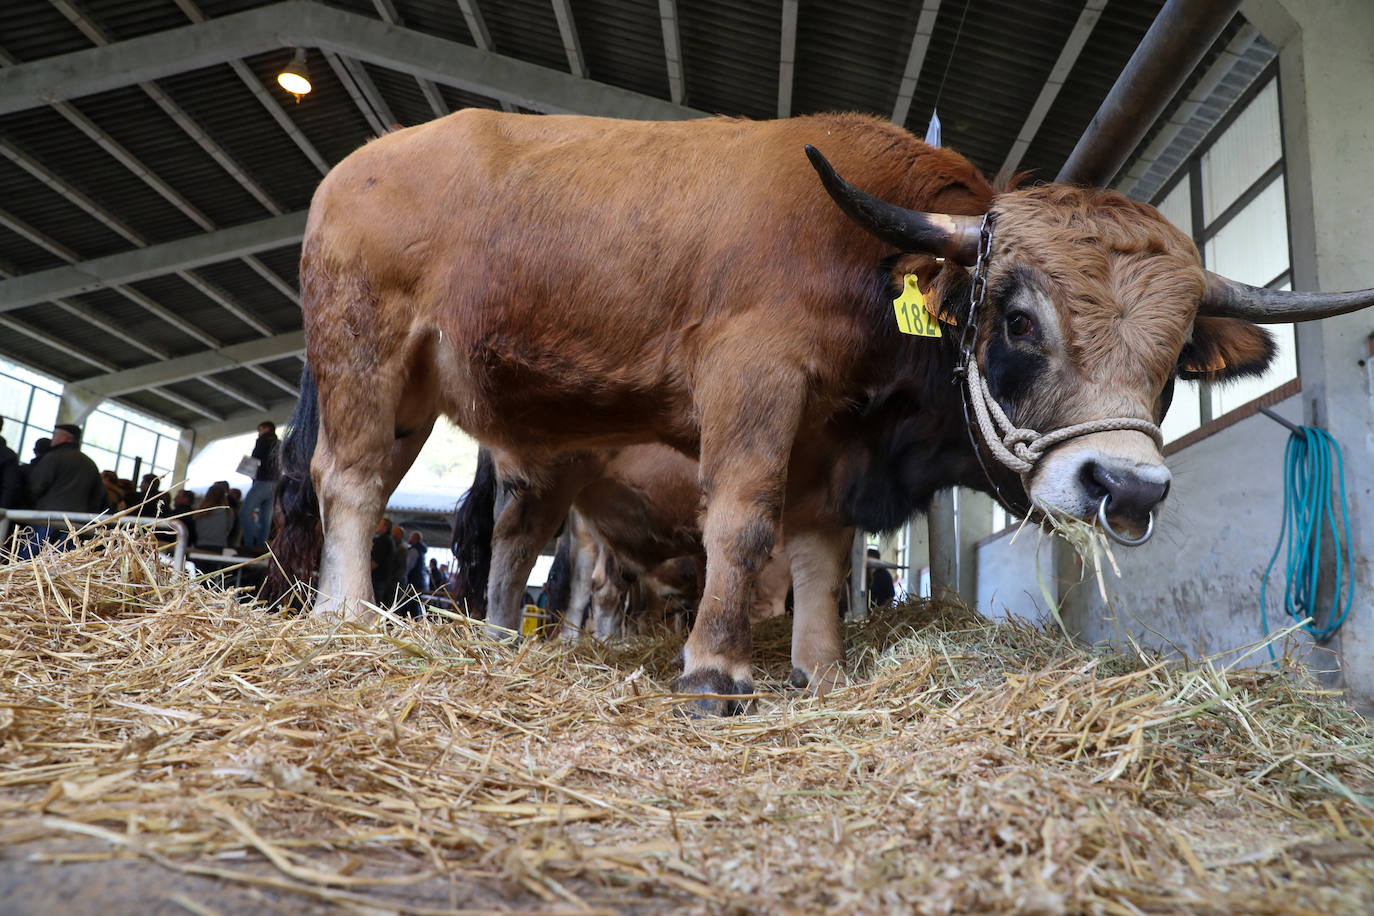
(1095, 304)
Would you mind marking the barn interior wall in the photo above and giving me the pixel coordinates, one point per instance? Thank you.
(1196, 585)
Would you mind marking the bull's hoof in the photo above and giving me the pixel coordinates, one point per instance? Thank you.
(717, 682)
(826, 679)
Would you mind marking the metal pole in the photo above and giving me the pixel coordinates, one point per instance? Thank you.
(944, 545)
(1177, 40)
(858, 577)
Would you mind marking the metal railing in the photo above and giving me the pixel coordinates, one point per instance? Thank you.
(75, 520)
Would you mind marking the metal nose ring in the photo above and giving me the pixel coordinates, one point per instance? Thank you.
(1117, 536)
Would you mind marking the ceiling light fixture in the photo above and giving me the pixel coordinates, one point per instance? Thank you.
(294, 77)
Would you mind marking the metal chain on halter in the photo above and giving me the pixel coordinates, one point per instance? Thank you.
(1019, 448)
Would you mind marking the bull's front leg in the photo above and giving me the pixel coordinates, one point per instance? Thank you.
(819, 557)
(749, 422)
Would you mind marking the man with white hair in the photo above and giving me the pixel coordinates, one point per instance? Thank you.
(65, 480)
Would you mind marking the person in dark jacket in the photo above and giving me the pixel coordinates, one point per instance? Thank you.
(881, 589)
(255, 515)
(65, 480)
(381, 562)
(11, 481)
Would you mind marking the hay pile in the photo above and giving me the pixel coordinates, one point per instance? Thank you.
(973, 767)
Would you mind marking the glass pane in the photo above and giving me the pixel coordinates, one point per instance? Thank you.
(125, 469)
(166, 458)
(141, 443)
(1177, 207)
(1253, 247)
(31, 435)
(1241, 154)
(14, 397)
(103, 458)
(103, 431)
(1185, 412)
(44, 412)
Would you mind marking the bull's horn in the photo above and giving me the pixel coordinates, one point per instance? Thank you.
(1233, 299)
(953, 237)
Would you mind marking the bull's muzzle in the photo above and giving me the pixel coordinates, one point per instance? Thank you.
(1125, 494)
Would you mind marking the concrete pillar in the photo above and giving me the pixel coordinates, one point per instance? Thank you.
(77, 404)
(1326, 74)
(975, 523)
(917, 553)
(942, 525)
(185, 446)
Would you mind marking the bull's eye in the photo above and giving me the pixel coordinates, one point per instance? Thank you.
(1019, 324)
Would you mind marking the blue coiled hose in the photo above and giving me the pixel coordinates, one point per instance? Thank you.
(1307, 510)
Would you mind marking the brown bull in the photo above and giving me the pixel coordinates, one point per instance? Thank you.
(560, 284)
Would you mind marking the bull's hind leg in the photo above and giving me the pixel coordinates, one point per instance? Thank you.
(533, 508)
(749, 420)
(819, 558)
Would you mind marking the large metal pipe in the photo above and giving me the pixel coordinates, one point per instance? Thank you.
(1170, 50)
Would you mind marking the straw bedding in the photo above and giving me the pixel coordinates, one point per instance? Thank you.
(971, 767)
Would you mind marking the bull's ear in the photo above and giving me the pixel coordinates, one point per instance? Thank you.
(1223, 349)
(944, 285)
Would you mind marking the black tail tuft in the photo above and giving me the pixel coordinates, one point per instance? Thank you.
(474, 522)
(298, 537)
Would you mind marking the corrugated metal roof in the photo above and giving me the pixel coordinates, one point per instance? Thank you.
(66, 197)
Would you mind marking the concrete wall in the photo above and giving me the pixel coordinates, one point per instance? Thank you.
(1007, 565)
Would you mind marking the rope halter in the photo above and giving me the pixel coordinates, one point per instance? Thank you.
(1021, 448)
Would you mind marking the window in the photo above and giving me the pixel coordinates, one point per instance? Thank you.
(1232, 200)
(115, 437)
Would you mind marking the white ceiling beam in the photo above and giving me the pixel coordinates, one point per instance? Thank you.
(187, 404)
(915, 60)
(61, 346)
(221, 298)
(672, 50)
(260, 92)
(270, 275)
(787, 57)
(153, 261)
(345, 78)
(224, 388)
(387, 10)
(188, 126)
(481, 36)
(280, 25)
(195, 365)
(1059, 74)
(572, 45)
(52, 246)
(272, 378)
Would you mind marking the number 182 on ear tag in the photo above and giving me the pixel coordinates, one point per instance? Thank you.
(912, 317)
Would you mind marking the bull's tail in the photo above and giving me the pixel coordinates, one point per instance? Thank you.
(474, 523)
(298, 534)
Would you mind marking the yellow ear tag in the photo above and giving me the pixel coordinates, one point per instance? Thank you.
(912, 317)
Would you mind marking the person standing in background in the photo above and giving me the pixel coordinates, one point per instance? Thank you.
(255, 515)
(11, 480)
(64, 480)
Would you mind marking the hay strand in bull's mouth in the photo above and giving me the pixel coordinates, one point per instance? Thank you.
(968, 766)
